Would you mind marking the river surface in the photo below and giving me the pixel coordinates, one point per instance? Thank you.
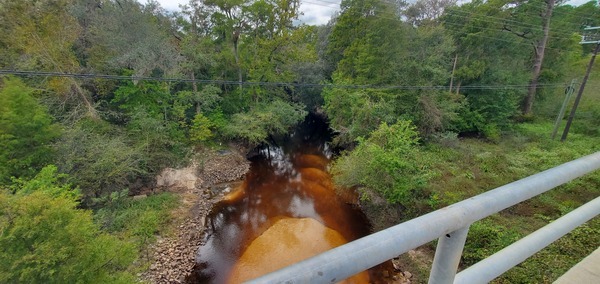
(286, 210)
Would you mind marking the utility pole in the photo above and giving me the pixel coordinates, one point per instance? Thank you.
(452, 75)
(593, 39)
(568, 93)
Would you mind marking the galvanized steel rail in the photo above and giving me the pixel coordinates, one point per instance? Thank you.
(500, 262)
(449, 224)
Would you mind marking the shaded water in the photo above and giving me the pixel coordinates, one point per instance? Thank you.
(286, 210)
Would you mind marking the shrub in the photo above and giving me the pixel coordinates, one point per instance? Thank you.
(45, 238)
(136, 220)
(272, 118)
(200, 131)
(26, 132)
(98, 162)
(387, 162)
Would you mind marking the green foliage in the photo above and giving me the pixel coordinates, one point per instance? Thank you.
(377, 48)
(387, 162)
(160, 141)
(48, 181)
(473, 166)
(208, 99)
(101, 158)
(38, 35)
(588, 113)
(272, 118)
(357, 113)
(201, 129)
(218, 120)
(556, 259)
(136, 220)
(188, 102)
(26, 132)
(127, 34)
(98, 159)
(46, 239)
(484, 239)
(152, 96)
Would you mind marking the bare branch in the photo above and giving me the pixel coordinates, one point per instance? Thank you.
(525, 35)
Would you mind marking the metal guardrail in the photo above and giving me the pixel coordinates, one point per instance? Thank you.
(450, 225)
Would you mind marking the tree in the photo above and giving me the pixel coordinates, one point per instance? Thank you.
(372, 47)
(273, 118)
(486, 56)
(26, 131)
(125, 34)
(98, 159)
(196, 46)
(201, 129)
(46, 239)
(424, 11)
(385, 162)
(40, 35)
(230, 20)
(539, 40)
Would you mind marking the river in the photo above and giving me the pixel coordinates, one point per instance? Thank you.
(286, 210)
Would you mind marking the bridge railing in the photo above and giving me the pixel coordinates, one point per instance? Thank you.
(450, 225)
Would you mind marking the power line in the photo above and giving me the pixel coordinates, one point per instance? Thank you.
(558, 11)
(502, 21)
(275, 84)
(495, 30)
(379, 16)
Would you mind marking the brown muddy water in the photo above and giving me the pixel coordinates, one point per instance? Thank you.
(286, 210)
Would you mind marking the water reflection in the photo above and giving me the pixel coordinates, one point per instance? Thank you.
(287, 182)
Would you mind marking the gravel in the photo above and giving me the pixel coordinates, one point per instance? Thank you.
(172, 257)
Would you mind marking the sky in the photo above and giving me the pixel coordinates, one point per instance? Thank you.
(315, 12)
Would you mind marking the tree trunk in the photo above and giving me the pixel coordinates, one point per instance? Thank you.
(540, 50)
(91, 111)
(236, 38)
(195, 90)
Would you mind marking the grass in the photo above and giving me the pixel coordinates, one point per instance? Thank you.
(138, 221)
(473, 166)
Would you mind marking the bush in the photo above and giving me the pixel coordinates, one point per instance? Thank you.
(272, 118)
(46, 239)
(26, 132)
(387, 162)
(49, 181)
(137, 220)
(98, 161)
(358, 113)
(160, 141)
(200, 131)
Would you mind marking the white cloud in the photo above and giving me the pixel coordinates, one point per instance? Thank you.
(318, 12)
(171, 5)
(577, 2)
(315, 12)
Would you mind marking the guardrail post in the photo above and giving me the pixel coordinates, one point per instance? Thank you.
(447, 256)
(346, 260)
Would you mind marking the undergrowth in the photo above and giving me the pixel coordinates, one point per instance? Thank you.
(473, 166)
(137, 221)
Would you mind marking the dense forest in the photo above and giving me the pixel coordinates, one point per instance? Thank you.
(97, 96)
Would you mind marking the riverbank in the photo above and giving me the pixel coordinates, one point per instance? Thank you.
(464, 167)
(172, 256)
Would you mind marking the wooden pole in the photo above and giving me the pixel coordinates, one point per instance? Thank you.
(452, 75)
(568, 93)
(580, 93)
